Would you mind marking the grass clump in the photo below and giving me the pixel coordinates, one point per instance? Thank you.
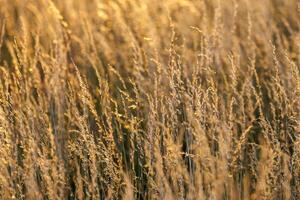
(131, 99)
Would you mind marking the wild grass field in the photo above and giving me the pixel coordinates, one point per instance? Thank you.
(149, 99)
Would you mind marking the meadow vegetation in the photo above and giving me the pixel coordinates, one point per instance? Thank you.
(149, 99)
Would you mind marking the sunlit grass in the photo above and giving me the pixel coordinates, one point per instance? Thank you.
(148, 99)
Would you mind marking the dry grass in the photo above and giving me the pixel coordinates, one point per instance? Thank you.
(149, 99)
